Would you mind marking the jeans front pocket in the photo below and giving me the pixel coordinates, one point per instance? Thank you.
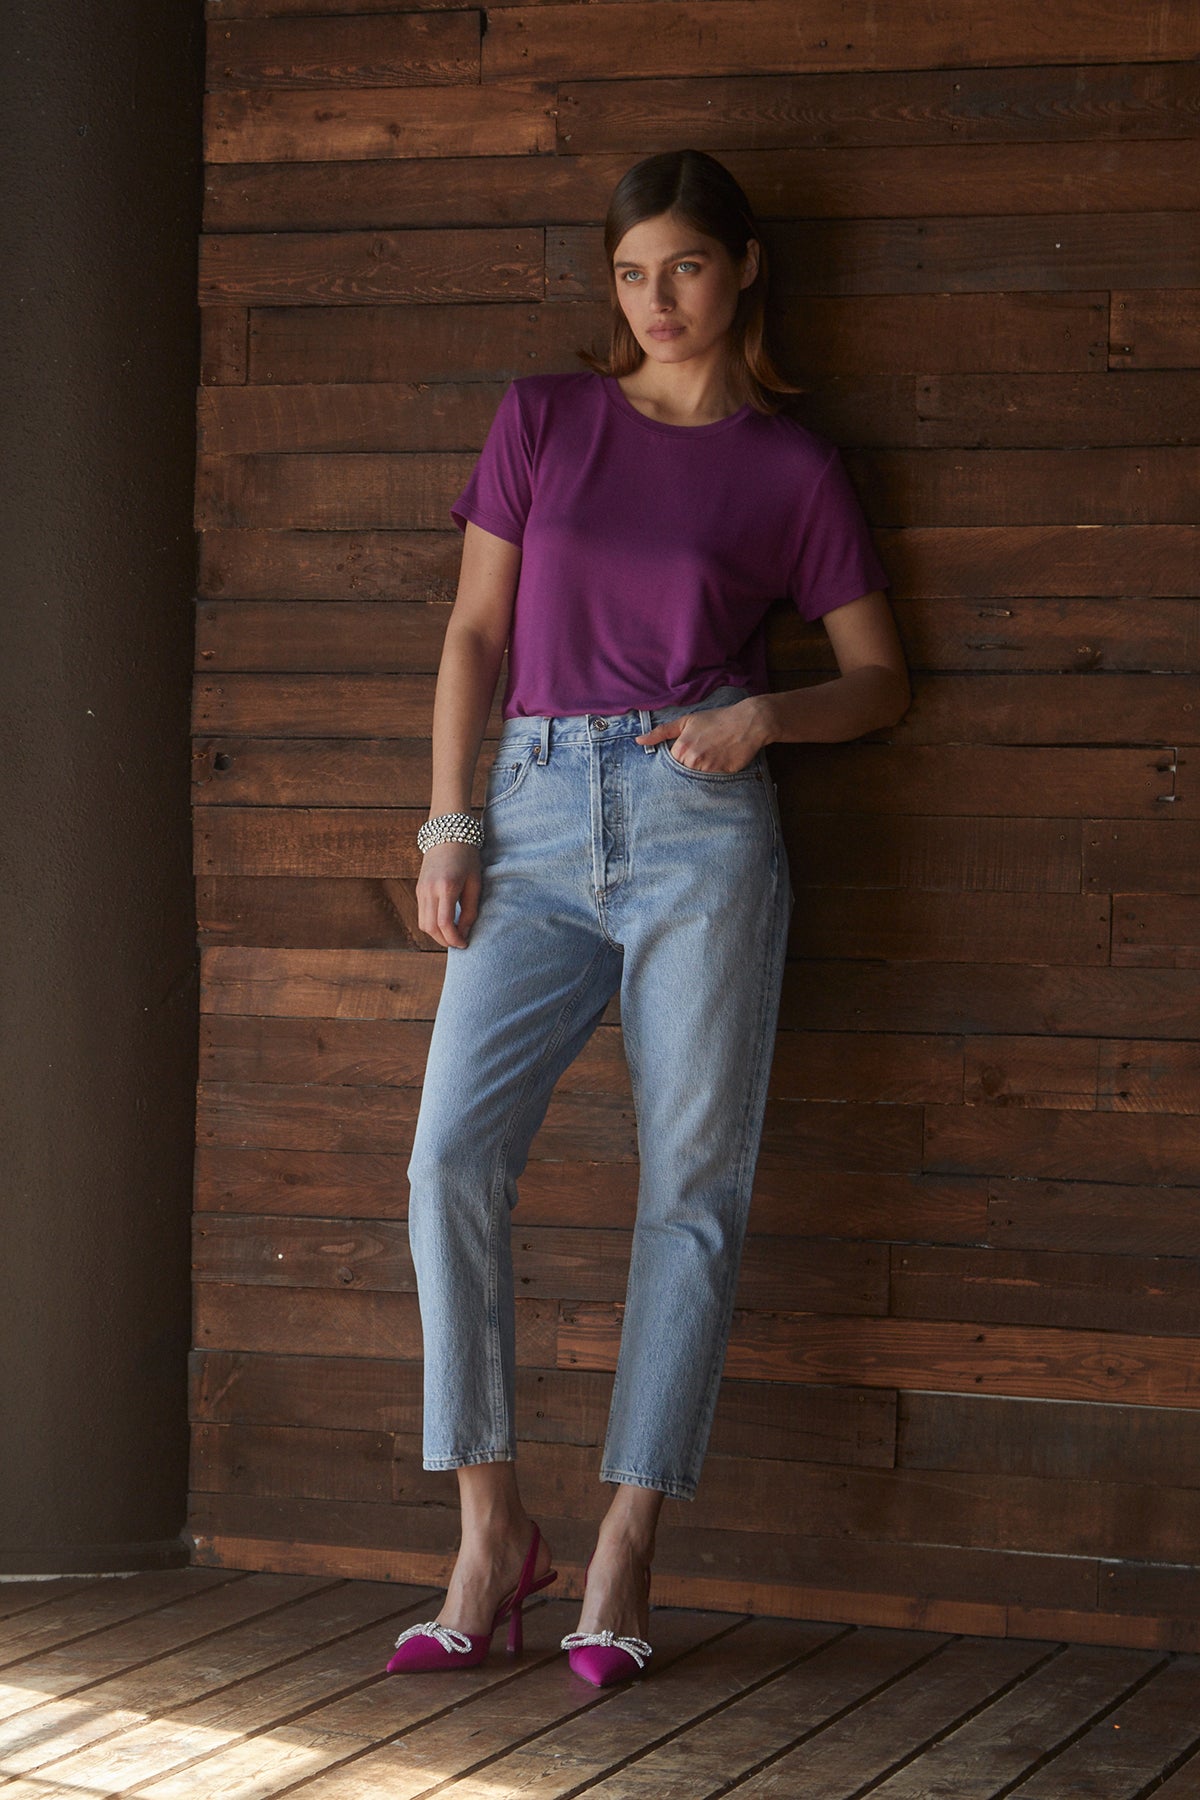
(507, 773)
(752, 772)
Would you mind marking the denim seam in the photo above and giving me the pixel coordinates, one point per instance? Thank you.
(499, 1177)
(748, 1157)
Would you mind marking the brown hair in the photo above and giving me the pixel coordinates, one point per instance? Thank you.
(701, 191)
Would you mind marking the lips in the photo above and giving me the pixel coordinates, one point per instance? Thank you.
(665, 331)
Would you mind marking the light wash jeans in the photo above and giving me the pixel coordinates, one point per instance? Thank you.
(606, 865)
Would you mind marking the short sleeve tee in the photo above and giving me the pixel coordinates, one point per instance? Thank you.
(651, 552)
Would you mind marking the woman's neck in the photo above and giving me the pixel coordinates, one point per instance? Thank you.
(680, 394)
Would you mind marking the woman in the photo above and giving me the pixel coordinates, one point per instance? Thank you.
(625, 529)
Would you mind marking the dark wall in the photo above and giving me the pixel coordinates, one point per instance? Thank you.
(99, 983)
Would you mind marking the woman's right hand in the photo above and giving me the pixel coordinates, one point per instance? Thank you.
(450, 875)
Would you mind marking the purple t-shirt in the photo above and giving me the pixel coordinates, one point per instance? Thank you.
(651, 552)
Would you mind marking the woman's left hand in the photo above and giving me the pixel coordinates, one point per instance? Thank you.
(721, 740)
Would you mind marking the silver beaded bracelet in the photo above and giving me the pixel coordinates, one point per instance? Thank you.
(449, 828)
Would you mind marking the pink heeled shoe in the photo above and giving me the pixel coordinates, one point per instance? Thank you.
(430, 1647)
(603, 1659)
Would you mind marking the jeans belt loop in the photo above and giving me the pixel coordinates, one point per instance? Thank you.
(544, 746)
(647, 725)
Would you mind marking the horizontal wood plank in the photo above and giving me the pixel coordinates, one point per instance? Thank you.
(1140, 856)
(721, 37)
(1156, 931)
(224, 332)
(946, 853)
(967, 1509)
(976, 781)
(807, 1065)
(1039, 1287)
(463, 341)
(323, 772)
(312, 1322)
(828, 996)
(816, 1201)
(1042, 105)
(347, 268)
(1151, 330)
(782, 1422)
(1050, 251)
(1086, 1215)
(548, 1263)
(1033, 1071)
(408, 50)
(1006, 411)
(1133, 1147)
(1051, 1439)
(266, 124)
(927, 926)
(784, 183)
(867, 335)
(954, 1357)
(1144, 1076)
(294, 565)
(339, 492)
(1105, 440)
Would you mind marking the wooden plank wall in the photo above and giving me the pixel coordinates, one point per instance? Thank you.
(964, 1384)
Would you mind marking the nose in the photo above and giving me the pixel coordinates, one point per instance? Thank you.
(662, 299)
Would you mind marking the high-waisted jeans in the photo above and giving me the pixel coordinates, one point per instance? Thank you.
(607, 866)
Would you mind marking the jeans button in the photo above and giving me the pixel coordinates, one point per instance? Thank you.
(599, 724)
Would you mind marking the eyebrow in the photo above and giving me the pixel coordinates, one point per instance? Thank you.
(678, 257)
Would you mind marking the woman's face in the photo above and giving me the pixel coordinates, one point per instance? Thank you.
(677, 287)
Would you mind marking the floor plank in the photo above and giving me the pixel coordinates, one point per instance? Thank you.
(147, 1638)
(106, 1602)
(1184, 1784)
(237, 1686)
(838, 1760)
(1003, 1742)
(735, 1740)
(471, 1745)
(22, 1595)
(621, 1723)
(204, 1698)
(1132, 1746)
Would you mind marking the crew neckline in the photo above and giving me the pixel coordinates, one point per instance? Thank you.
(624, 404)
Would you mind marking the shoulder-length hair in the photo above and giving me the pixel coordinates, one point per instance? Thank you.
(701, 192)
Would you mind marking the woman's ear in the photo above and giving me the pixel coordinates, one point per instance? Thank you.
(750, 263)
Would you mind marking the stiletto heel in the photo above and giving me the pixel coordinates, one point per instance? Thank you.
(429, 1647)
(603, 1659)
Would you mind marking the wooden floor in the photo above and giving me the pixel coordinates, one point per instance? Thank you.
(198, 1684)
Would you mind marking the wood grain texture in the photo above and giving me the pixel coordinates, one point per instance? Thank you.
(258, 124)
(884, 181)
(1043, 105)
(721, 37)
(961, 1391)
(955, 1357)
(298, 268)
(1155, 330)
(1051, 251)
(866, 336)
(408, 50)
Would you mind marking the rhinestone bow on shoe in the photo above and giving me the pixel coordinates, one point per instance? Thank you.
(424, 1648)
(603, 1658)
(638, 1648)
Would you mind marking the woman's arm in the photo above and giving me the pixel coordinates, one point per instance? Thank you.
(473, 649)
(870, 691)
